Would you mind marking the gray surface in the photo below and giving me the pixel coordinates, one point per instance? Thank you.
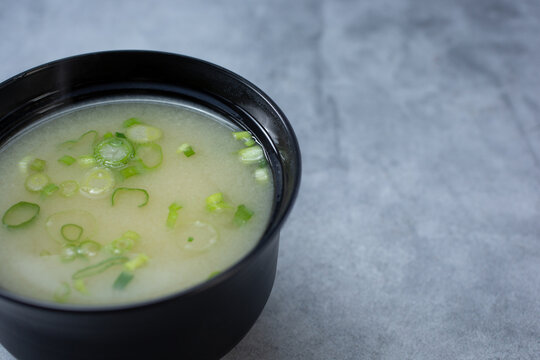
(417, 231)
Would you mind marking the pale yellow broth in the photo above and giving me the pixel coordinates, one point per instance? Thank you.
(25, 267)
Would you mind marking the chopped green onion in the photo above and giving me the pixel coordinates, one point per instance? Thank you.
(122, 280)
(137, 262)
(124, 243)
(262, 175)
(190, 239)
(251, 155)
(131, 235)
(186, 149)
(37, 165)
(242, 215)
(36, 182)
(213, 274)
(113, 152)
(144, 192)
(62, 293)
(80, 286)
(89, 248)
(97, 182)
(130, 122)
(99, 267)
(245, 136)
(120, 246)
(173, 215)
(129, 172)
(150, 155)
(69, 253)
(67, 160)
(69, 188)
(120, 135)
(86, 161)
(108, 135)
(216, 202)
(44, 253)
(82, 218)
(48, 190)
(71, 232)
(70, 143)
(140, 134)
(20, 214)
(24, 163)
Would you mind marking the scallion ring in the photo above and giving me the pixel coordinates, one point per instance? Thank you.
(150, 155)
(71, 232)
(20, 214)
(113, 152)
(99, 267)
(142, 191)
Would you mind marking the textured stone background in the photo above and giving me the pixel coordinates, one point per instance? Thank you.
(416, 234)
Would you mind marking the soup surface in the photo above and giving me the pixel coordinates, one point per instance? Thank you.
(128, 200)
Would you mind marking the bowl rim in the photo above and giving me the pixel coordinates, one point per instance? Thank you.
(270, 231)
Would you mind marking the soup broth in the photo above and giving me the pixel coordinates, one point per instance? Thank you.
(136, 199)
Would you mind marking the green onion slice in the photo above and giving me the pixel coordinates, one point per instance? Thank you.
(99, 267)
(251, 155)
(120, 135)
(150, 155)
(36, 182)
(130, 122)
(71, 232)
(132, 170)
(69, 188)
(213, 274)
(245, 137)
(81, 218)
(80, 286)
(262, 175)
(120, 246)
(126, 189)
(140, 133)
(216, 203)
(113, 152)
(48, 190)
(97, 182)
(242, 215)
(173, 215)
(69, 253)
(62, 293)
(86, 161)
(186, 149)
(67, 160)
(137, 262)
(124, 243)
(37, 165)
(24, 164)
(89, 248)
(20, 214)
(122, 280)
(71, 143)
(130, 234)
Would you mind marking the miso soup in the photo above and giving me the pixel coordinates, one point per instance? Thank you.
(127, 200)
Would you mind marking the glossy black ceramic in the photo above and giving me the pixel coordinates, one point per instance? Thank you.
(204, 322)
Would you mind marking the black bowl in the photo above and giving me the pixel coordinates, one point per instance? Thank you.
(203, 322)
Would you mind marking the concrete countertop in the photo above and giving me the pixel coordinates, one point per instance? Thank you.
(416, 234)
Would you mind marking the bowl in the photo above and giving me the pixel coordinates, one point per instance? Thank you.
(205, 321)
